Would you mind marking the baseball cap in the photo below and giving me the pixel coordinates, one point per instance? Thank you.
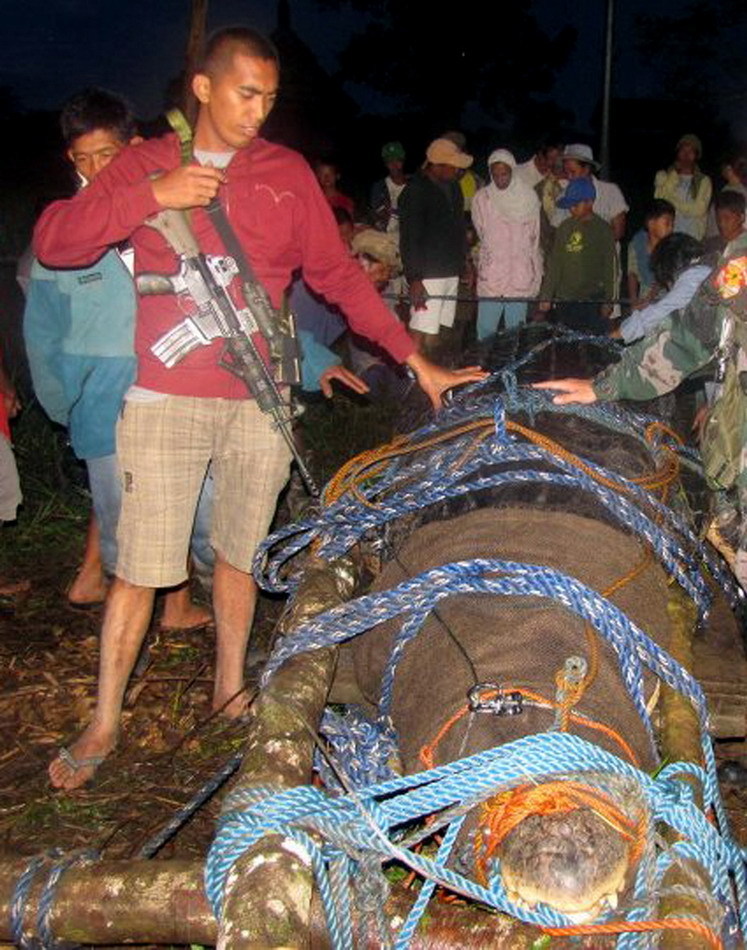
(579, 189)
(393, 151)
(580, 153)
(445, 152)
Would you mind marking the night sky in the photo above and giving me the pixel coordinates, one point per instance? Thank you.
(51, 48)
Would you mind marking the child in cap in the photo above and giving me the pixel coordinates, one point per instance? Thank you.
(579, 281)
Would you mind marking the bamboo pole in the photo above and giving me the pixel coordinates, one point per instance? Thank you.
(268, 891)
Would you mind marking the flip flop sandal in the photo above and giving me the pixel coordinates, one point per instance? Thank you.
(75, 765)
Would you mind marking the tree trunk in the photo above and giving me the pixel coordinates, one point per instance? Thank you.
(195, 44)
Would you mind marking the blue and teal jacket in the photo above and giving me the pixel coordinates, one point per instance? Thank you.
(79, 327)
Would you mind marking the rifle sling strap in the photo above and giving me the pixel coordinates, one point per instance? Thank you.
(230, 242)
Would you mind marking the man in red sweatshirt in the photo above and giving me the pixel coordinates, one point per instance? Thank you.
(177, 420)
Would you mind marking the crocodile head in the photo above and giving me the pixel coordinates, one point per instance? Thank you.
(575, 862)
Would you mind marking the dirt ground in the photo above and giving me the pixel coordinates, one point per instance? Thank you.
(170, 745)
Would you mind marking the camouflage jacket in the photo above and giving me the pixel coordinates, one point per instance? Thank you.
(688, 339)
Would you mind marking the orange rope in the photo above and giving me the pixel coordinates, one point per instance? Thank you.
(428, 752)
(368, 464)
(500, 814)
(634, 926)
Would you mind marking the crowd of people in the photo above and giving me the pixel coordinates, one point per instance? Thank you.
(545, 237)
(184, 467)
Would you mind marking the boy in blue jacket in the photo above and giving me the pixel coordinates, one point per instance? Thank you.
(79, 331)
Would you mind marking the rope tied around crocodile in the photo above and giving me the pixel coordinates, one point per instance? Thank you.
(334, 834)
(473, 446)
(502, 813)
(414, 473)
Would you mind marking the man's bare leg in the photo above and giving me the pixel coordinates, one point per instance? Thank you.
(89, 586)
(180, 613)
(234, 600)
(126, 619)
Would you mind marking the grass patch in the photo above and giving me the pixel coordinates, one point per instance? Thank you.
(335, 430)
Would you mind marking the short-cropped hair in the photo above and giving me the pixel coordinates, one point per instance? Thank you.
(657, 209)
(729, 200)
(95, 108)
(224, 44)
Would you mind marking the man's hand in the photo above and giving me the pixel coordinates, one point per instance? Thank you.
(344, 376)
(435, 380)
(544, 306)
(570, 390)
(188, 186)
(418, 295)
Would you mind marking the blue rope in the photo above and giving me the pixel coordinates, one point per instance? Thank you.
(416, 482)
(182, 816)
(361, 823)
(49, 893)
(361, 748)
(20, 898)
(417, 596)
(364, 822)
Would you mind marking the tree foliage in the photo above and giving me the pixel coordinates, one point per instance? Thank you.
(439, 63)
(700, 52)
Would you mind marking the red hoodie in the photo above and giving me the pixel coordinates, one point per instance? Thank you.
(281, 219)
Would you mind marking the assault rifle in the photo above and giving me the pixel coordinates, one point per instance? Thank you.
(204, 279)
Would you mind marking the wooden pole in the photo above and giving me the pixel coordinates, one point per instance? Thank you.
(680, 742)
(117, 902)
(163, 902)
(195, 44)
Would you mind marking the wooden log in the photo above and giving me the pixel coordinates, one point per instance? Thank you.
(163, 902)
(116, 902)
(268, 892)
(681, 742)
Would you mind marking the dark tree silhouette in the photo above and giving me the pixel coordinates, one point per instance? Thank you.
(439, 64)
(700, 52)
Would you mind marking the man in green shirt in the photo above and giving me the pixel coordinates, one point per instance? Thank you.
(580, 277)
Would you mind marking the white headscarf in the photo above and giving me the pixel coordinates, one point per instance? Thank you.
(518, 201)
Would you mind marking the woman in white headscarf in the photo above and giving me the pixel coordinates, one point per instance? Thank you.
(506, 216)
